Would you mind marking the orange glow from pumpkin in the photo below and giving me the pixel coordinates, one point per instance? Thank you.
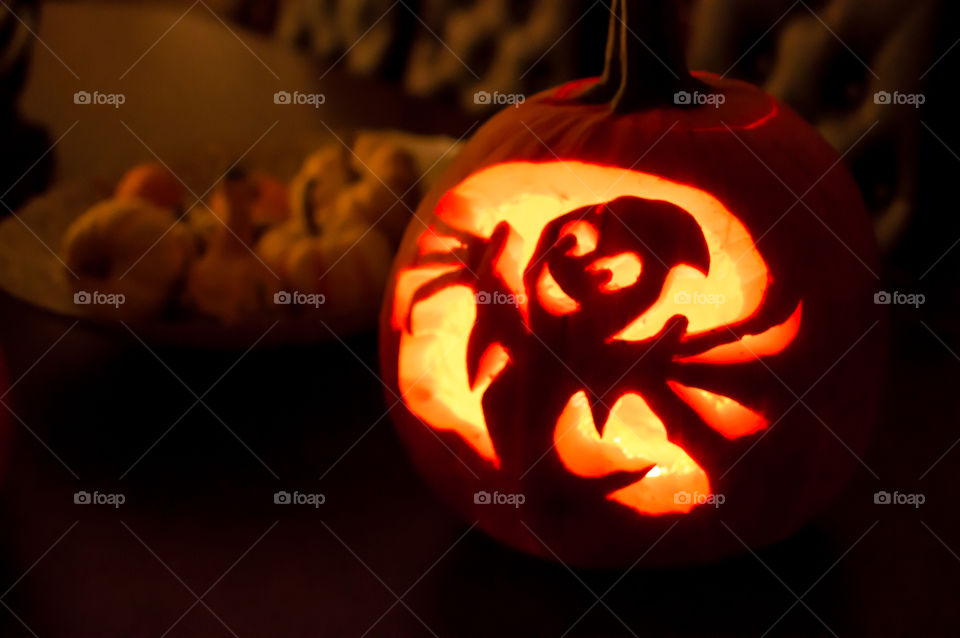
(408, 282)
(633, 438)
(432, 356)
(723, 414)
(585, 234)
(552, 296)
(624, 271)
(430, 242)
(433, 379)
(767, 343)
(529, 195)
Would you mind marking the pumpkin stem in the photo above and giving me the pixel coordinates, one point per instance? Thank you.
(238, 230)
(645, 65)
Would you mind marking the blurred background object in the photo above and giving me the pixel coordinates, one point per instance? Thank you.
(23, 174)
(830, 61)
(826, 58)
(451, 48)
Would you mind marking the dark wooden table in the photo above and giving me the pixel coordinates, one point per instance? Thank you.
(198, 441)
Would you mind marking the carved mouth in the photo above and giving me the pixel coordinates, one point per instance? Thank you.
(633, 438)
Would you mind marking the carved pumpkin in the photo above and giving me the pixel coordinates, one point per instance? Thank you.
(612, 306)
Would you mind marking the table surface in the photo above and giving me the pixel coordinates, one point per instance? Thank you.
(198, 441)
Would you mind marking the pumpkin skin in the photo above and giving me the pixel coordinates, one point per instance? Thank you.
(153, 182)
(773, 475)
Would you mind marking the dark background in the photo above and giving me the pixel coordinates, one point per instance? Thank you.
(199, 519)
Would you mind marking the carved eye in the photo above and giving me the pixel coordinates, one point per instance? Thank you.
(584, 234)
(618, 272)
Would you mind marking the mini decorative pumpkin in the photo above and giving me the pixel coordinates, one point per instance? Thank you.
(329, 246)
(645, 307)
(153, 182)
(346, 262)
(229, 282)
(269, 206)
(372, 184)
(128, 246)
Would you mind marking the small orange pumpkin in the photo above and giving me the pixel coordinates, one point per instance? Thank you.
(229, 282)
(153, 182)
(131, 247)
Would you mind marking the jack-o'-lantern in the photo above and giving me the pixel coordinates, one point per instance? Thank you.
(634, 321)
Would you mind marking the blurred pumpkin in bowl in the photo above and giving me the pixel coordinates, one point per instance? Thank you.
(131, 250)
(229, 282)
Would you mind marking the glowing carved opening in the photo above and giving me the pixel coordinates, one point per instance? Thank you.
(433, 351)
(723, 414)
(529, 195)
(552, 297)
(634, 438)
(624, 271)
(430, 242)
(767, 343)
(432, 375)
(408, 282)
(584, 233)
